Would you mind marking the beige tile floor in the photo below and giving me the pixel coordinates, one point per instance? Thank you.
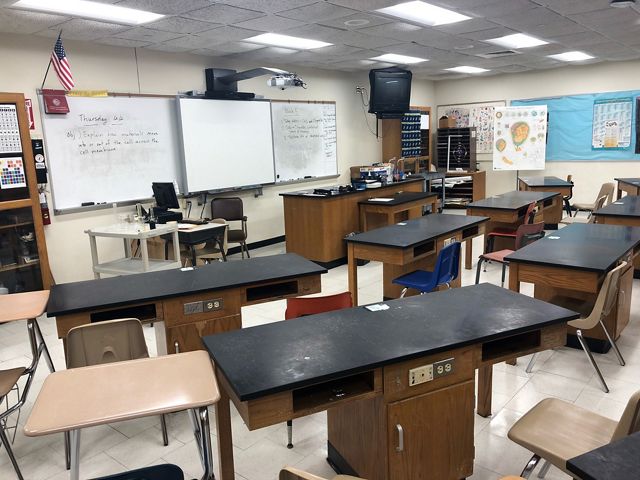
(563, 373)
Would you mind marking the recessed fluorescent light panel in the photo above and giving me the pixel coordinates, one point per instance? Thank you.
(424, 13)
(572, 56)
(400, 59)
(92, 10)
(467, 69)
(287, 41)
(517, 40)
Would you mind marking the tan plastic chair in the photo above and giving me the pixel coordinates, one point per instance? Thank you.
(591, 218)
(606, 189)
(209, 251)
(8, 383)
(108, 342)
(557, 431)
(605, 301)
(290, 473)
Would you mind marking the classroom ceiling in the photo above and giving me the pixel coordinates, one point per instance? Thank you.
(218, 28)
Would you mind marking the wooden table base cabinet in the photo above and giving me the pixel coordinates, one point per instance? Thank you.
(380, 214)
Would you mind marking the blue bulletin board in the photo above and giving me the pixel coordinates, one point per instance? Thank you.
(571, 127)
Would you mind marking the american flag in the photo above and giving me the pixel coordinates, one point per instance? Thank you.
(61, 65)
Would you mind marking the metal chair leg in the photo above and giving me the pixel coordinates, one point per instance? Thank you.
(45, 349)
(404, 291)
(532, 362)
(545, 468)
(67, 450)
(7, 446)
(480, 260)
(530, 467)
(504, 272)
(592, 361)
(246, 249)
(289, 433)
(613, 345)
(165, 436)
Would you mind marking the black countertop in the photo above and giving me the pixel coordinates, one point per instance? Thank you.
(281, 356)
(142, 287)
(512, 200)
(627, 206)
(633, 181)
(619, 460)
(398, 198)
(545, 182)
(309, 193)
(587, 246)
(412, 232)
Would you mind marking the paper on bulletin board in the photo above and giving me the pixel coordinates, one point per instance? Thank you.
(612, 122)
(12, 173)
(520, 138)
(478, 115)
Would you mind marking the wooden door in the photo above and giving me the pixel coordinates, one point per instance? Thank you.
(437, 431)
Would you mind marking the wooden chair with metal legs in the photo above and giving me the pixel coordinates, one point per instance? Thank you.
(107, 342)
(300, 307)
(605, 301)
(525, 235)
(290, 473)
(606, 189)
(556, 431)
(566, 199)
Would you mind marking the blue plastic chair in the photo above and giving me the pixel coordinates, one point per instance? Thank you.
(447, 269)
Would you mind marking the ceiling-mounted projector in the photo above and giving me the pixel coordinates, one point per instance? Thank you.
(285, 80)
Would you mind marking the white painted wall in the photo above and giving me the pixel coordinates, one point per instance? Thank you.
(102, 67)
(602, 77)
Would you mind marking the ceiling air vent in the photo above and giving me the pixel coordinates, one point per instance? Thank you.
(500, 53)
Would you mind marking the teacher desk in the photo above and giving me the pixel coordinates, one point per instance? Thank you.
(507, 211)
(572, 264)
(190, 302)
(362, 367)
(315, 225)
(624, 211)
(408, 246)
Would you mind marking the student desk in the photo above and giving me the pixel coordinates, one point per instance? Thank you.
(408, 246)
(378, 211)
(573, 262)
(507, 211)
(71, 400)
(615, 461)
(624, 211)
(190, 302)
(356, 364)
(629, 185)
(315, 225)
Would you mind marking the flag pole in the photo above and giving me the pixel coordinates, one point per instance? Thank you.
(49, 66)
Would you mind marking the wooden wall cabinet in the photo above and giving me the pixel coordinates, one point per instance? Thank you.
(24, 262)
(392, 142)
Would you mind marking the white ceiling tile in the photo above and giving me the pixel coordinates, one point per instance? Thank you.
(492, 9)
(473, 25)
(269, 53)
(606, 17)
(81, 29)
(396, 30)
(220, 13)
(338, 50)
(357, 39)
(578, 39)
(365, 5)
(181, 25)
(19, 21)
(358, 19)
(315, 32)
(607, 48)
(270, 23)
(227, 34)
(269, 6)
(566, 7)
(318, 12)
(235, 47)
(147, 35)
(165, 7)
(123, 42)
(550, 29)
(189, 41)
(487, 34)
(161, 47)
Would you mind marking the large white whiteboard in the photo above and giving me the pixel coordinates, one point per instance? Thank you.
(225, 143)
(110, 149)
(304, 140)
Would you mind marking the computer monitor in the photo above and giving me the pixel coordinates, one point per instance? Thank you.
(165, 195)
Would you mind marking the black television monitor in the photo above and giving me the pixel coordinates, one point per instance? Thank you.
(390, 91)
(165, 195)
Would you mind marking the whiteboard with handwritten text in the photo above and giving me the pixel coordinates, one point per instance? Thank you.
(110, 149)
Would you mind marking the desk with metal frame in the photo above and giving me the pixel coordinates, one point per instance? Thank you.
(573, 262)
(408, 246)
(192, 235)
(358, 365)
(71, 400)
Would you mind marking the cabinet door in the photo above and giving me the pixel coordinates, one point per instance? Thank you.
(430, 437)
(188, 337)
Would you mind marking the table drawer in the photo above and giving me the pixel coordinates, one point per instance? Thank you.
(204, 306)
